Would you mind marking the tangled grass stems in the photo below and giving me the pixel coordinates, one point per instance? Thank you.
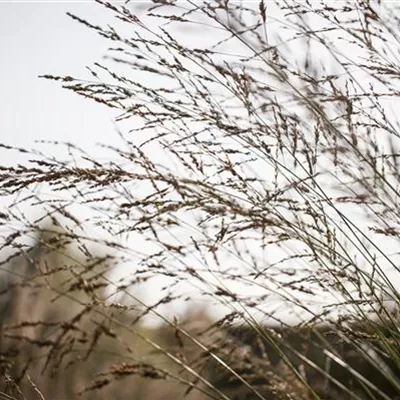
(242, 168)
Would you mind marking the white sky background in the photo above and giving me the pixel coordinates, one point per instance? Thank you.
(38, 38)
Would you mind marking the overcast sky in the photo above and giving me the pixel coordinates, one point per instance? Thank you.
(39, 38)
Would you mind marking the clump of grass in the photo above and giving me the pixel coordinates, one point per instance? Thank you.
(257, 166)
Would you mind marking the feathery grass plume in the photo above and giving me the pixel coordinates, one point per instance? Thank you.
(257, 172)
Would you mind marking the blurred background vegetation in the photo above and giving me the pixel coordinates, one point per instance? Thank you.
(62, 338)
